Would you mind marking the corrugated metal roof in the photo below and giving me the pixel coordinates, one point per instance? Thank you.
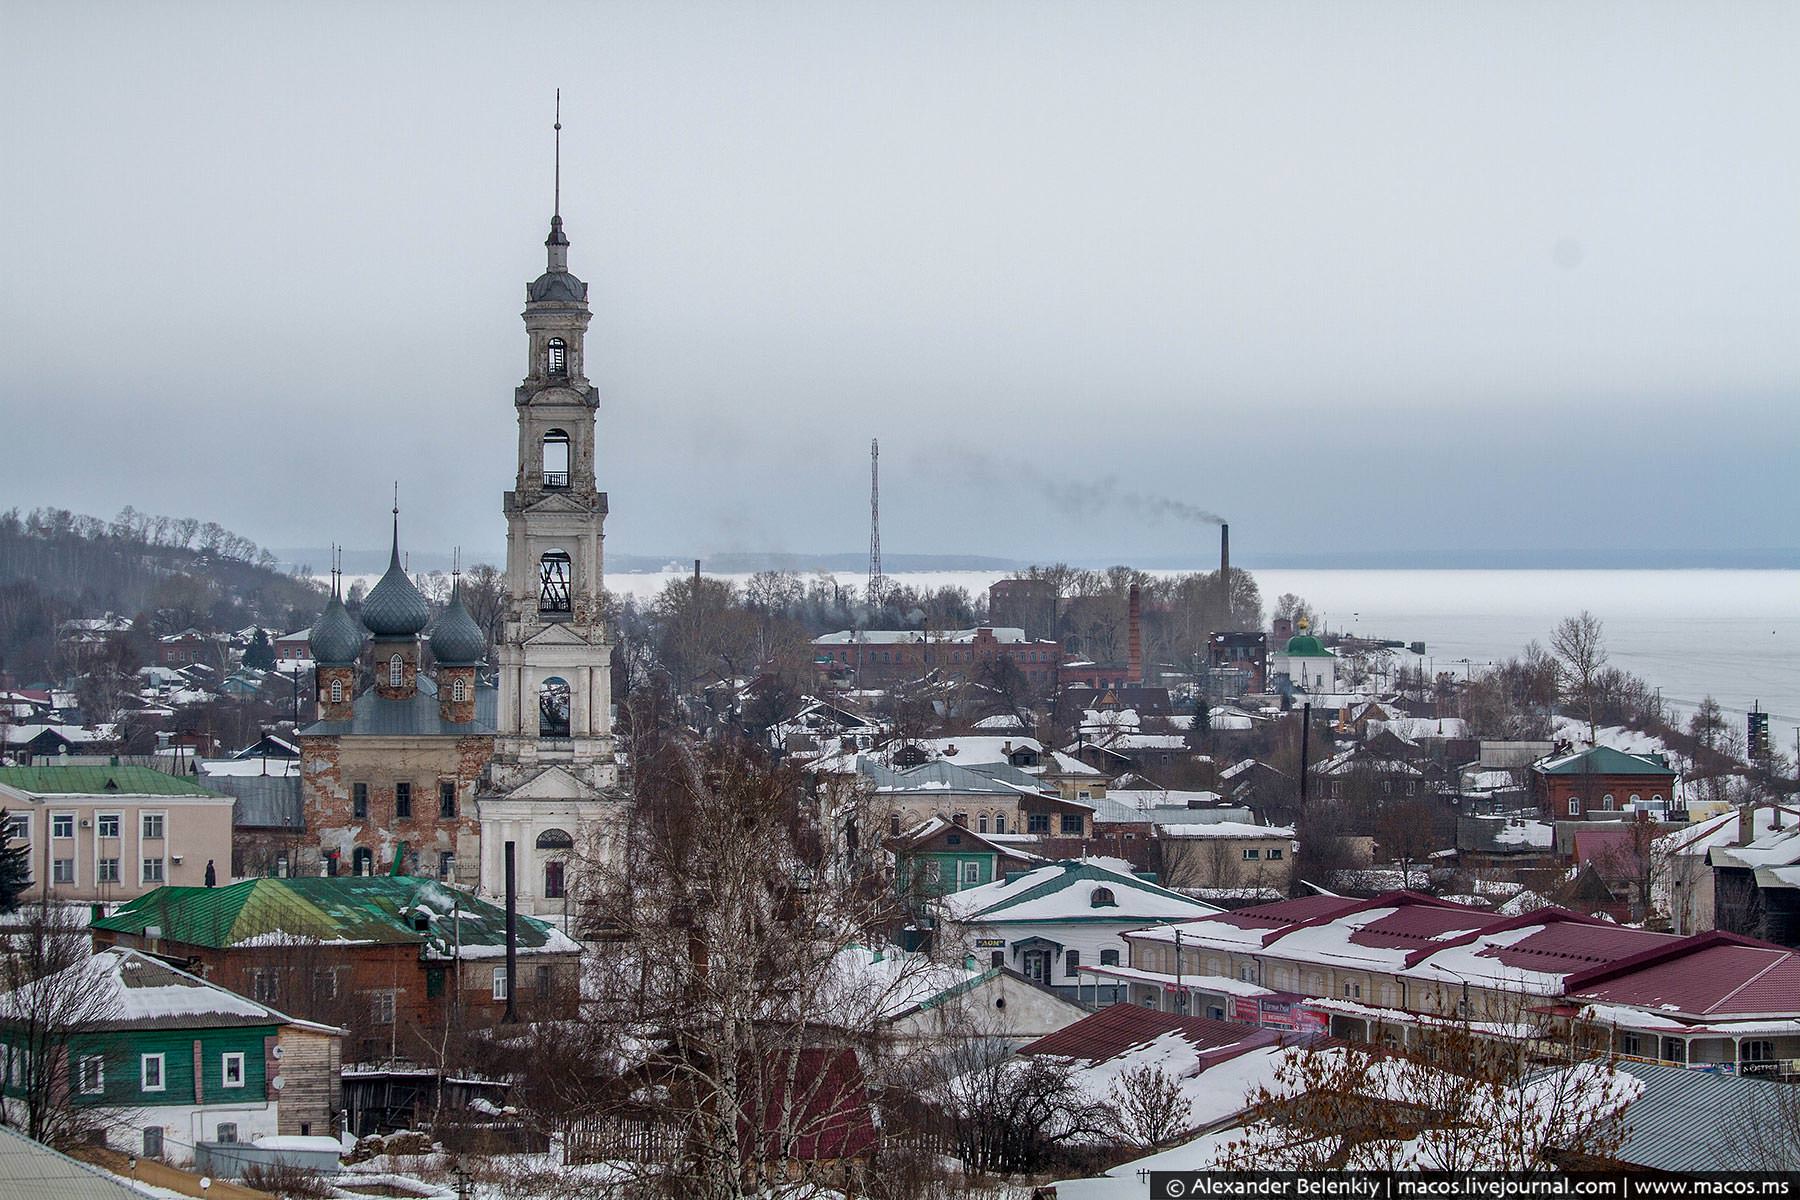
(1604, 760)
(32, 1171)
(342, 909)
(1114, 1030)
(1673, 1120)
(264, 801)
(99, 781)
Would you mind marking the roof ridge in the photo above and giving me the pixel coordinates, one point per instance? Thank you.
(1776, 962)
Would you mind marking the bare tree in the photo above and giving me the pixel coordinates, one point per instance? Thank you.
(1580, 651)
(1460, 1097)
(58, 1003)
(1762, 1133)
(728, 983)
(1149, 1109)
(1011, 1113)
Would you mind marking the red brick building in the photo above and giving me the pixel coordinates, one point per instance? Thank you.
(382, 955)
(881, 656)
(1599, 780)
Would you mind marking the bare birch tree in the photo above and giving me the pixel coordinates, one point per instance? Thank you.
(57, 996)
(1580, 651)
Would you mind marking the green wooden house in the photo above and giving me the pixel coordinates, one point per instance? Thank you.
(166, 1060)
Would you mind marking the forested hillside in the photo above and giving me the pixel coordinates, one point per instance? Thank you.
(175, 572)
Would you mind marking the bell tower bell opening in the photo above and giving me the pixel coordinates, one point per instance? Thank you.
(556, 459)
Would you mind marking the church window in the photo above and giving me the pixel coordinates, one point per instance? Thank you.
(403, 799)
(553, 880)
(558, 356)
(556, 459)
(446, 798)
(396, 671)
(553, 708)
(459, 689)
(555, 839)
(554, 569)
(337, 691)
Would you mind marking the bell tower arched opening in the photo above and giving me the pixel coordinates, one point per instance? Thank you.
(554, 573)
(556, 459)
(553, 707)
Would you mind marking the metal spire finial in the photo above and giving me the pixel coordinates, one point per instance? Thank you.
(556, 207)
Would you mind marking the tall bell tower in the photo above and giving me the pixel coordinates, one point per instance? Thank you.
(553, 779)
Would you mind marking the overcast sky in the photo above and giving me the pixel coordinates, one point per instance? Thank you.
(1356, 276)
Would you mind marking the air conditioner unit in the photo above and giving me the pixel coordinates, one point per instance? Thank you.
(176, 859)
(86, 824)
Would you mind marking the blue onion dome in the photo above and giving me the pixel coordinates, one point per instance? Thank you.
(394, 607)
(456, 641)
(336, 638)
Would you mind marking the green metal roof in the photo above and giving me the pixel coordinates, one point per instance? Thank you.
(1305, 645)
(86, 780)
(345, 910)
(1604, 760)
(1073, 872)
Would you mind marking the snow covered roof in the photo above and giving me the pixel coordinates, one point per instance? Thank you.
(913, 637)
(944, 777)
(1215, 1064)
(1223, 829)
(1770, 845)
(1415, 729)
(1404, 933)
(1604, 760)
(129, 990)
(1088, 889)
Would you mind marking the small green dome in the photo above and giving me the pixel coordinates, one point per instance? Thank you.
(1305, 645)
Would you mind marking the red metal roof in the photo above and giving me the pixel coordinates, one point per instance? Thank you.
(1113, 1031)
(1419, 925)
(1564, 946)
(1713, 975)
(1286, 912)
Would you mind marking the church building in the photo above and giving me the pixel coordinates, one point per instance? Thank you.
(435, 772)
(553, 784)
(389, 776)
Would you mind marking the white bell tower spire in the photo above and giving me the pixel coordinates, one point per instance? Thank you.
(552, 778)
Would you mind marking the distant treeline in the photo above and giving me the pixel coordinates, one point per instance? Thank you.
(173, 572)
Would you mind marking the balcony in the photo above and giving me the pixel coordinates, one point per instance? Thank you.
(556, 481)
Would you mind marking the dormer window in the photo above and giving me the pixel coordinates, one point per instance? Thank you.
(1102, 898)
(396, 671)
(557, 357)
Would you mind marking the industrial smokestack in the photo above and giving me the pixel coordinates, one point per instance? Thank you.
(1135, 634)
(1225, 553)
(696, 575)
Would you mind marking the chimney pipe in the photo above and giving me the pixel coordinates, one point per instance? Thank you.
(1135, 666)
(1225, 555)
(696, 575)
(512, 939)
